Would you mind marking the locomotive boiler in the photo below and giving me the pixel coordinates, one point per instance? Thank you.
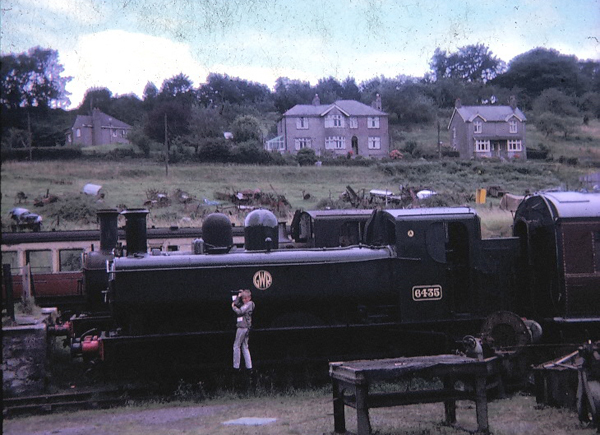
(350, 284)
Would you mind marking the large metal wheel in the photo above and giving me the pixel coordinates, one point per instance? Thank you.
(505, 331)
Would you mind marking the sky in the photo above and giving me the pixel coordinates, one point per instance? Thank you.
(124, 44)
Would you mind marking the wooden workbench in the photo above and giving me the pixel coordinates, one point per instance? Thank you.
(351, 381)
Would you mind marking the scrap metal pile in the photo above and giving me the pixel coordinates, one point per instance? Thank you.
(572, 381)
(251, 199)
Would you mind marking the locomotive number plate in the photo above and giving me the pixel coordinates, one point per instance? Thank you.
(427, 293)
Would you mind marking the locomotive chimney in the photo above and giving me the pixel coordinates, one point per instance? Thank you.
(135, 231)
(109, 229)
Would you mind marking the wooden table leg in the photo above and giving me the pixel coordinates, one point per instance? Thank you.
(449, 405)
(481, 405)
(339, 418)
(362, 411)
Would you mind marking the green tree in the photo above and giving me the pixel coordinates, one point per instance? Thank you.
(138, 138)
(329, 90)
(149, 96)
(472, 63)
(33, 79)
(178, 117)
(246, 128)
(179, 90)
(95, 98)
(350, 90)
(127, 108)
(289, 92)
(590, 105)
(541, 69)
(557, 102)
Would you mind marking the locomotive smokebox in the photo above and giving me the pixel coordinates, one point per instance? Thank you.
(261, 231)
(135, 231)
(109, 229)
(217, 233)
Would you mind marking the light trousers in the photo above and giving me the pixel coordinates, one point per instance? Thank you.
(242, 337)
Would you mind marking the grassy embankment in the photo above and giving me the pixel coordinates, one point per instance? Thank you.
(127, 181)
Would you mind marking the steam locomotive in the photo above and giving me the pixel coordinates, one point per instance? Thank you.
(346, 284)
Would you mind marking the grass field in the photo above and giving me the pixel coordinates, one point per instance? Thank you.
(127, 182)
(299, 413)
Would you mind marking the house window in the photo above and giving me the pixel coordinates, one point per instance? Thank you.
(276, 143)
(78, 132)
(374, 143)
(114, 133)
(354, 122)
(124, 133)
(512, 126)
(333, 121)
(453, 132)
(335, 143)
(373, 122)
(482, 146)
(477, 127)
(514, 145)
(302, 142)
(302, 123)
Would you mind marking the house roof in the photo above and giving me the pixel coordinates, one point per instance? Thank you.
(347, 107)
(488, 113)
(105, 120)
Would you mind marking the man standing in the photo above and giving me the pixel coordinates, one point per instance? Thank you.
(243, 307)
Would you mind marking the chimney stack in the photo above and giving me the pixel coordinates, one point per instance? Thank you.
(512, 102)
(458, 103)
(376, 104)
(135, 231)
(316, 101)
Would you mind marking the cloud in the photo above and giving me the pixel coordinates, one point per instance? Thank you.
(124, 62)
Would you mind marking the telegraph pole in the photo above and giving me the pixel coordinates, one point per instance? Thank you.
(166, 149)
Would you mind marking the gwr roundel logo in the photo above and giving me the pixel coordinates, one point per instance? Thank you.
(262, 280)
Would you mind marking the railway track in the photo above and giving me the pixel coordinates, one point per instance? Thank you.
(93, 399)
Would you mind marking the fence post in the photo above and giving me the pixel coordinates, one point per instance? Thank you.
(8, 287)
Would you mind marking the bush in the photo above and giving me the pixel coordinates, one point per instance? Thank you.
(250, 152)
(306, 157)
(77, 209)
(214, 150)
(54, 153)
(412, 148)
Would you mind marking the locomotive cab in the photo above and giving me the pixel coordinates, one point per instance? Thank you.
(329, 228)
(435, 251)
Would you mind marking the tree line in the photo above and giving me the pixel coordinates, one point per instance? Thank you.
(558, 93)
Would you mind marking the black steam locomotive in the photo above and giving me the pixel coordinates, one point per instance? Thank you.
(347, 284)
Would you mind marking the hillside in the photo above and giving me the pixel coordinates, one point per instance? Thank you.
(131, 183)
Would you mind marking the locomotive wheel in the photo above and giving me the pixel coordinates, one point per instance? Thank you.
(504, 330)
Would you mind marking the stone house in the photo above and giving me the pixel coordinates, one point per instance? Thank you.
(342, 128)
(98, 129)
(488, 131)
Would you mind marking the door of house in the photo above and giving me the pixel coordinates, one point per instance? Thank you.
(355, 145)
